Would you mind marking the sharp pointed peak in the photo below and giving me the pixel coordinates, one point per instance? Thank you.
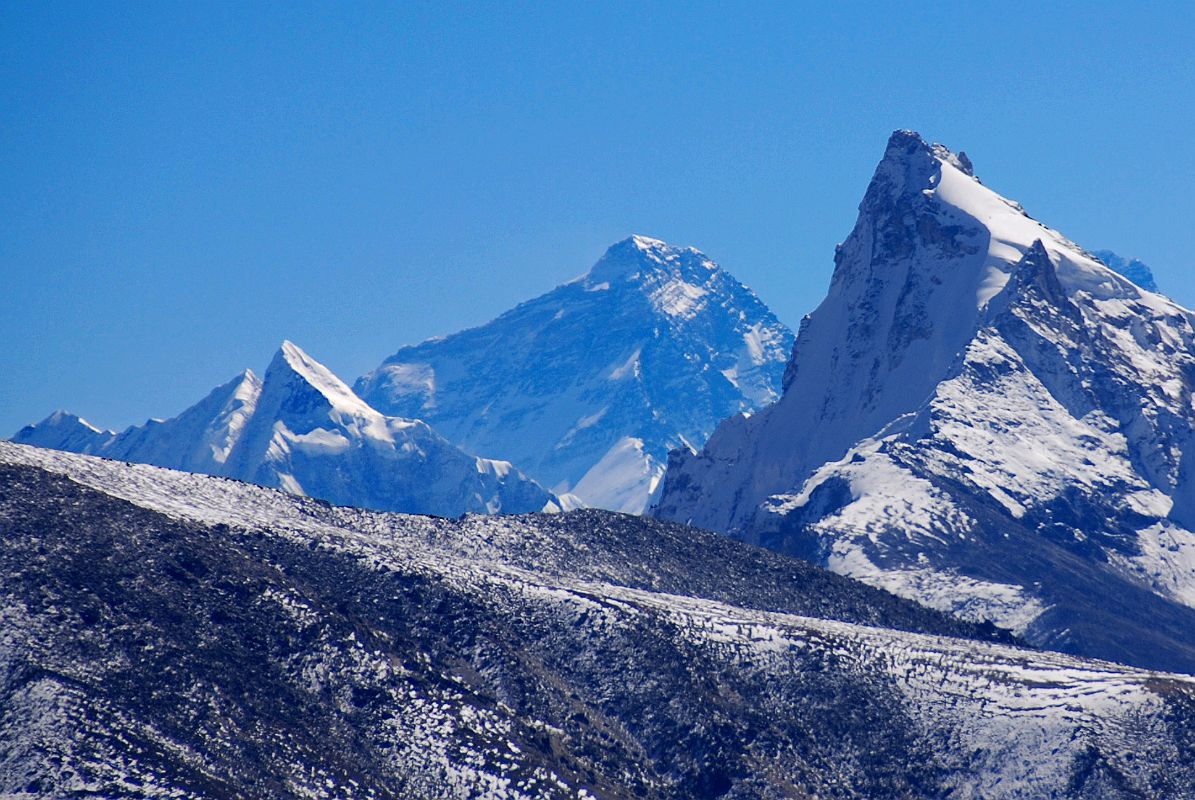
(1038, 262)
(289, 356)
(907, 146)
(292, 360)
(245, 377)
(291, 352)
(1038, 270)
(1038, 252)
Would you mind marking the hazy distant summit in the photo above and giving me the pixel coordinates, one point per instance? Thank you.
(1133, 269)
(587, 387)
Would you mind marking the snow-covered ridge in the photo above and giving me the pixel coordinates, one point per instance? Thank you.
(973, 378)
(588, 387)
(300, 428)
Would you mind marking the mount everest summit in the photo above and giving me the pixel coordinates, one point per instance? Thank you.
(588, 387)
(301, 429)
(981, 416)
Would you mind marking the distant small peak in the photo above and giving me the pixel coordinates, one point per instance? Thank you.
(62, 430)
(65, 418)
(245, 386)
(245, 377)
(1134, 269)
(646, 242)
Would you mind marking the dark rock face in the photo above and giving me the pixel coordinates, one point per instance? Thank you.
(251, 644)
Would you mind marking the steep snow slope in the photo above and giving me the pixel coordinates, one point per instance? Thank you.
(981, 416)
(172, 634)
(589, 386)
(301, 429)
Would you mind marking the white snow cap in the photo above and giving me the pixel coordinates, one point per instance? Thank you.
(632, 256)
(293, 358)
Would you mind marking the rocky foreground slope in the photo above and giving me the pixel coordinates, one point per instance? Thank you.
(168, 634)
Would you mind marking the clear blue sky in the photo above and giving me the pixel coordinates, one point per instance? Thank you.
(184, 185)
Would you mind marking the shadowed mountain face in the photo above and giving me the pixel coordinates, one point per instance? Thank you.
(588, 387)
(167, 633)
(981, 416)
(301, 429)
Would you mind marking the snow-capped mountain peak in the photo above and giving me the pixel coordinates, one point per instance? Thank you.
(300, 391)
(643, 259)
(974, 379)
(589, 386)
(65, 430)
(290, 358)
(66, 418)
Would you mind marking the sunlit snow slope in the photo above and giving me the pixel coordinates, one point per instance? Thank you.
(981, 416)
(172, 634)
(588, 387)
